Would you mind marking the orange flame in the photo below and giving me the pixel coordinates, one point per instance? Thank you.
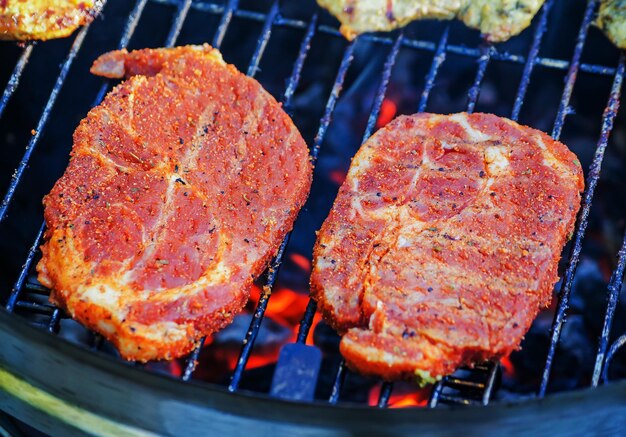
(507, 367)
(387, 112)
(316, 319)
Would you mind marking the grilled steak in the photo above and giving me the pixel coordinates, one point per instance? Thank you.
(498, 20)
(443, 242)
(44, 19)
(612, 20)
(181, 186)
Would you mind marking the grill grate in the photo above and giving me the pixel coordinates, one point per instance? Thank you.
(468, 386)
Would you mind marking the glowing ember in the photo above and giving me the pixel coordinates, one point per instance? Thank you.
(301, 261)
(387, 112)
(418, 399)
(337, 176)
(404, 395)
(507, 367)
(286, 308)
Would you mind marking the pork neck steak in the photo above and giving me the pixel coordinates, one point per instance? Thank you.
(181, 186)
(443, 243)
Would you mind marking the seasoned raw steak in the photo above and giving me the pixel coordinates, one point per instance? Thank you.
(443, 242)
(181, 186)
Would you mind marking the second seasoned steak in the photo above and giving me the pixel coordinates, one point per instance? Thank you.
(443, 242)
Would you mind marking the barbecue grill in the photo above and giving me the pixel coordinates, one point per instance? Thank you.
(60, 378)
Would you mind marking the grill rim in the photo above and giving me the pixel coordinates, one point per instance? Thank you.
(207, 406)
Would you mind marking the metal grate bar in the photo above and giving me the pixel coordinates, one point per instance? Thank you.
(34, 307)
(129, 30)
(462, 384)
(531, 60)
(474, 92)
(385, 394)
(43, 121)
(262, 41)
(192, 361)
(17, 288)
(552, 63)
(332, 99)
(570, 79)
(131, 23)
(619, 343)
(435, 395)
(382, 87)
(455, 400)
(340, 377)
(491, 379)
(37, 288)
(257, 318)
(179, 20)
(14, 80)
(614, 288)
(294, 79)
(438, 58)
(307, 320)
(583, 220)
(227, 15)
(53, 324)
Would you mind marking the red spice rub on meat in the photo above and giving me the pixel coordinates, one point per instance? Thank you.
(443, 242)
(181, 186)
